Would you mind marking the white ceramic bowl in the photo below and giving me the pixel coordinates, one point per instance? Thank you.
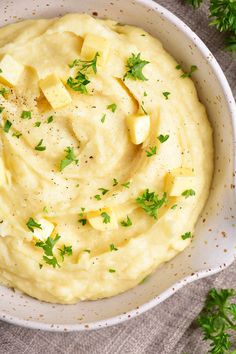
(214, 245)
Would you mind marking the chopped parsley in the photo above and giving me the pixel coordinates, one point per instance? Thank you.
(4, 91)
(98, 197)
(150, 202)
(37, 124)
(188, 193)
(174, 206)
(45, 210)
(84, 65)
(103, 190)
(50, 119)
(163, 138)
(112, 107)
(83, 221)
(112, 270)
(115, 182)
(143, 109)
(69, 158)
(17, 134)
(26, 115)
(126, 223)
(145, 93)
(166, 95)
(178, 67)
(113, 248)
(106, 217)
(103, 118)
(135, 66)
(40, 147)
(65, 251)
(7, 126)
(88, 251)
(186, 235)
(32, 224)
(1, 109)
(152, 151)
(78, 83)
(48, 246)
(126, 184)
(193, 68)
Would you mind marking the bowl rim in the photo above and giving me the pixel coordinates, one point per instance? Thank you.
(218, 72)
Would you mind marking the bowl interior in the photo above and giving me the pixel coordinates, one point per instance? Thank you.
(214, 245)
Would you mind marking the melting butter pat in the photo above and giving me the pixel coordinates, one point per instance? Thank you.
(54, 91)
(139, 128)
(46, 229)
(178, 180)
(10, 71)
(97, 219)
(95, 44)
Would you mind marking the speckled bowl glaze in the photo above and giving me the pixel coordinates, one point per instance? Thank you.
(214, 245)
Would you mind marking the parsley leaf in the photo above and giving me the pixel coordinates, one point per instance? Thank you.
(86, 64)
(48, 246)
(188, 193)
(83, 221)
(193, 68)
(218, 318)
(17, 134)
(65, 251)
(98, 197)
(178, 67)
(135, 66)
(186, 235)
(126, 223)
(26, 115)
(112, 107)
(163, 138)
(150, 202)
(4, 91)
(7, 126)
(174, 206)
(32, 224)
(103, 118)
(106, 217)
(37, 124)
(40, 147)
(112, 271)
(50, 119)
(126, 184)
(152, 151)
(103, 190)
(78, 83)
(166, 95)
(69, 158)
(115, 182)
(1, 109)
(113, 248)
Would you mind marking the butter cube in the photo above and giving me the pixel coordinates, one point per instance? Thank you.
(103, 220)
(139, 128)
(46, 231)
(10, 71)
(54, 91)
(95, 44)
(177, 181)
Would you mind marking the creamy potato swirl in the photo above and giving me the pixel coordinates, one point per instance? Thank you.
(107, 172)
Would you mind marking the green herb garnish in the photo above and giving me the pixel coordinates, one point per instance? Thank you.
(218, 319)
(4, 91)
(78, 83)
(98, 197)
(65, 251)
(32, 224)
(163, 138)
(69, 158)
(103, 118)
(152, 151)
(193, 68)
(126, 223)
(115, 182)
(83, 221)
(188, 193)
(17, 134)
(103, 190)
(178, 67)
(48, 246)
(37, 124)
(112, 271)
(174, 206)
(84, 65)
(50, 119)
(106, 217)
(1, 109)
(40, 147)
(7, 126)
(26, 115)
(186, 235)
(126, 184)
(166, 95)
(135, 66)
(113, 248)
(112, 107)
(150, 202)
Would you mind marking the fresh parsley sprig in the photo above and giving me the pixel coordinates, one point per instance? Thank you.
(223, 17)
(218, 319)
(135, 67)
(150, 202)
(69, 158)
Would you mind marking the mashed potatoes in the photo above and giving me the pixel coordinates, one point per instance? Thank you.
(105, 157)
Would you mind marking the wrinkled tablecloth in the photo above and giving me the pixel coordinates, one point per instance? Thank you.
(168, 328)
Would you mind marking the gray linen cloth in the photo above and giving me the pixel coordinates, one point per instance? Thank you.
(169, 327)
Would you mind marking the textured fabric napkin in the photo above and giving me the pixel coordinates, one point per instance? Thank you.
(168, 328)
